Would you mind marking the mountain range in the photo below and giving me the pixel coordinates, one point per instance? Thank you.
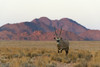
(43, 29)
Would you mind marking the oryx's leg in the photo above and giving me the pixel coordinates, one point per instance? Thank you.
(66, 52)
(62, 50)
(59, 50)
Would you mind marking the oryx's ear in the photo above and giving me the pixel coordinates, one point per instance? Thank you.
(54, 38)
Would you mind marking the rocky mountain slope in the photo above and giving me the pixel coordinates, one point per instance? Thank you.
(91, 35)
(43, 29)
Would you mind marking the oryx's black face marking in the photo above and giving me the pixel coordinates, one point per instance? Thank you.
(58, 40)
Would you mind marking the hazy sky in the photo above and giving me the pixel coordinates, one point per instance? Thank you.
(85, 12)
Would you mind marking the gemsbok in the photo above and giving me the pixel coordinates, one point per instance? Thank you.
(61, 44)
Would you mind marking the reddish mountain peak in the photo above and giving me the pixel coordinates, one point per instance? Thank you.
(42, 21)
(44, 18)
(64, 19)
(69, 20)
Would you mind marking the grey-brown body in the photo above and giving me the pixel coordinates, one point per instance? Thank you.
(63, 45)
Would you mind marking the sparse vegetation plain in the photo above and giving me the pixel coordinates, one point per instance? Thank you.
(44, 54)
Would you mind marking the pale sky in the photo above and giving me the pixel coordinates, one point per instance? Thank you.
(85, 12)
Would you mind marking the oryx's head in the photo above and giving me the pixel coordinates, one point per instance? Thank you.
(58, 36)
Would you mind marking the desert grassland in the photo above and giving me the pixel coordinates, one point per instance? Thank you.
(44, 54)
